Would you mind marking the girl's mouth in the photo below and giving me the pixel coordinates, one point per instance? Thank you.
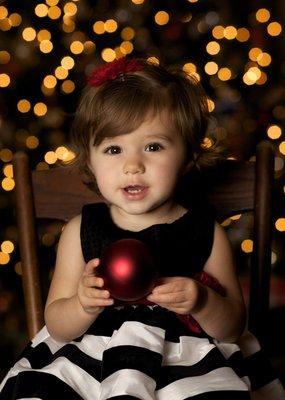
(135, 192)
(134, 189)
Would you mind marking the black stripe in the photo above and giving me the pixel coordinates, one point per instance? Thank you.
(221, 395)
(41, 356)
(112, 319)
(89, 364)
(175, 328)
(124, 397)
(174, 335)
(213, 360)
(36, 384)
(259, 369)
(131, 357)
(38, 356)
(237, 363)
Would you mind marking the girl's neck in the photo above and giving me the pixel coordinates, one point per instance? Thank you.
(166, 214)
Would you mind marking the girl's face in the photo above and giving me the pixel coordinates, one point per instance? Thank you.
(137, 172)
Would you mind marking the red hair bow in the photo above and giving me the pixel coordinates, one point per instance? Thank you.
(112, 70)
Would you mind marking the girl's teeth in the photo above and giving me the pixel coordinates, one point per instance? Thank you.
(134, 189)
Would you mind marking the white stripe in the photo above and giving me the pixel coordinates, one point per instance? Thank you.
(44, 336)
(219, 379)
(78, 379)
(133, 333)
(91, 345)
(188, 351)
(21, 365)
(128, 382)
(227, 349)
(246, 380)
(40, 336)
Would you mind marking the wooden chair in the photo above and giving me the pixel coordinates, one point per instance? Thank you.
(236, 187)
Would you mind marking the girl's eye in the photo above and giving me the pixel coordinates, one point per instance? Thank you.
(112, 150)
(154, 147)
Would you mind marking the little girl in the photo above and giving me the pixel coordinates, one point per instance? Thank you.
(138, 130)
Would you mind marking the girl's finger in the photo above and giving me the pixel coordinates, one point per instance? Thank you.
(97, 293)
(169, 287)
(98, 303)
(93, 281)
(167, 298)
(90, 266)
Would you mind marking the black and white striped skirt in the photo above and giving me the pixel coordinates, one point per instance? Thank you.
(141, 352)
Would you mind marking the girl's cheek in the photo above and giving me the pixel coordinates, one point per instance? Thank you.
(166, 174)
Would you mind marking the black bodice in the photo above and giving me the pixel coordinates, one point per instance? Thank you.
(180, 248)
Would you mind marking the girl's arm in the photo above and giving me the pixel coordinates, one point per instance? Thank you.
(223, 318)
(73, 302)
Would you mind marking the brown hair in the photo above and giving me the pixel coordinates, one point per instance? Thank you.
(120, 106)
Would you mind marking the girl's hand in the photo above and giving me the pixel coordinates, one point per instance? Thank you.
(179, 294)
(91, 296)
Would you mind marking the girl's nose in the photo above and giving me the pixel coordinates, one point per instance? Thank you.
(134, 165)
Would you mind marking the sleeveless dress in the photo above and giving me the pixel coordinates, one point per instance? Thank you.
(139, 351)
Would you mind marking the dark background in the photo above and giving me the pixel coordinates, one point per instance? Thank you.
(243, 112)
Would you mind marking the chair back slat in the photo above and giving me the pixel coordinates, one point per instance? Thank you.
(231, 188)
(59, 193)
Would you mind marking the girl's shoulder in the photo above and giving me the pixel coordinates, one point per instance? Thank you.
(75, 221)
(71, 230)
(69, 253)
(72, 226)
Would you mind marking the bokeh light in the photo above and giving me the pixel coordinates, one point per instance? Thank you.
(161, 18)
(262, 15)
(247, 245)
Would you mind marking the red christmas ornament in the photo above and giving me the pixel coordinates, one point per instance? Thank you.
(128, 270)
